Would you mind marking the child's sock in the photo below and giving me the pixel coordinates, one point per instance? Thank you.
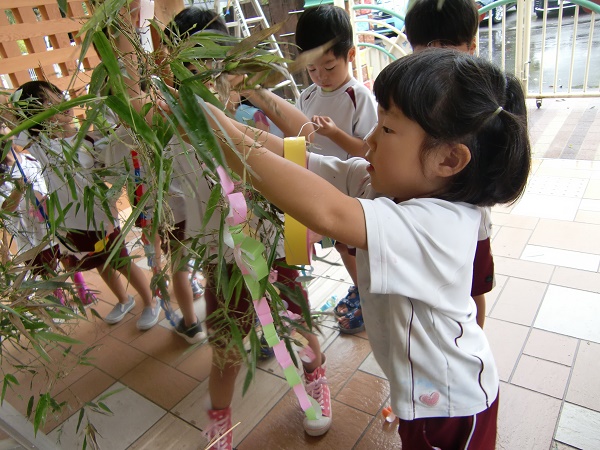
(220, 424)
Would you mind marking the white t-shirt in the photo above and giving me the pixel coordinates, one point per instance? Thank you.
(114, 151)
(28, 226)
(485, 228)
(415, 284)
(351, 107)
(70, 185)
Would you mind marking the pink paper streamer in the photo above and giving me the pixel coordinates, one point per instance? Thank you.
(238, 210)
(282, 355)
(225, 179)
(302, 396)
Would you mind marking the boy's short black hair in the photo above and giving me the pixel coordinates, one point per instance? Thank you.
(33, 96)
(191, 20)
(457, 98)
(321, 24)
(456, 22)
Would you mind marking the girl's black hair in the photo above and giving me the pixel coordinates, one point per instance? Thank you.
(191, 20)
(31, 101)
(460, 99)
(321, 24)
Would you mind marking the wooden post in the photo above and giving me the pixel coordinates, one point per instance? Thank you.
(280, 12)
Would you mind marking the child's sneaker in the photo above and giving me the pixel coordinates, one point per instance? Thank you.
(119, 311)
(197, 288)
(349, 303)
(193, 334)
(220, 428)
(318, 388)
(149, 317)
(352, 322)
(266, 352)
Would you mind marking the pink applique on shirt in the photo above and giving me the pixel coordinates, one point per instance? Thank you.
(430, 399)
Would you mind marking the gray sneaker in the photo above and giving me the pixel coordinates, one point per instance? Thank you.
(149, 317)
(119, 311)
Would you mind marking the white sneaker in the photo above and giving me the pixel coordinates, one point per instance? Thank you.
(149, 317)
(119, 311)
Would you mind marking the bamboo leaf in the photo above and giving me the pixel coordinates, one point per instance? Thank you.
(104, 407)
(104, 14)
(47, 114)
(111, 64)
(41, 411)
(79, 419)
(211, 205)
(55, 337)
(255, 39)
(134, 120)
(30, 406)
(191, 118)
(62, 5)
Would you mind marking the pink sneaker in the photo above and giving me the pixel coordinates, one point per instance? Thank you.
(318, 388)
(220, 427)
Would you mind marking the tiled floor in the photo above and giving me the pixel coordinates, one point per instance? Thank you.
(543, 324)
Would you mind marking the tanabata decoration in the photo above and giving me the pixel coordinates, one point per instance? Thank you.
(298, 248)
(249, 257)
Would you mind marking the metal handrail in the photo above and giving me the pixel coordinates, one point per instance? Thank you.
(520, 49)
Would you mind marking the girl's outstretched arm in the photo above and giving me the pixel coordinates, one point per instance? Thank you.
(295, 190)
(286, 116)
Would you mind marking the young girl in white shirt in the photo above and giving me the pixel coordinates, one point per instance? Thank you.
(451, 135)
(88, 234)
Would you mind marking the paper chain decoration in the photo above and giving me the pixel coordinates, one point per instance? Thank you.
(249, 257)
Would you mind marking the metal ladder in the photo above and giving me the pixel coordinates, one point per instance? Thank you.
(242, 28)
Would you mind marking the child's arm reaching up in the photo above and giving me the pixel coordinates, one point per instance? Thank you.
(286, 116)
(353, 145)
(297, 191)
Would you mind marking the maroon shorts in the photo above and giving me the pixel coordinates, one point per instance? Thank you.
(476, 432)
(85, 241)
(45, 262)
(241, 310)
(483, 269)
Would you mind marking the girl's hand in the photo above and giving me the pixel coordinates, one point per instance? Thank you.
(326, 126)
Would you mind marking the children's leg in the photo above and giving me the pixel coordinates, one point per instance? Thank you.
(315, 346)
(185, 298)
(221, 386)
(224, 371)
(480, 302)
(112, 280)
(136, 277)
